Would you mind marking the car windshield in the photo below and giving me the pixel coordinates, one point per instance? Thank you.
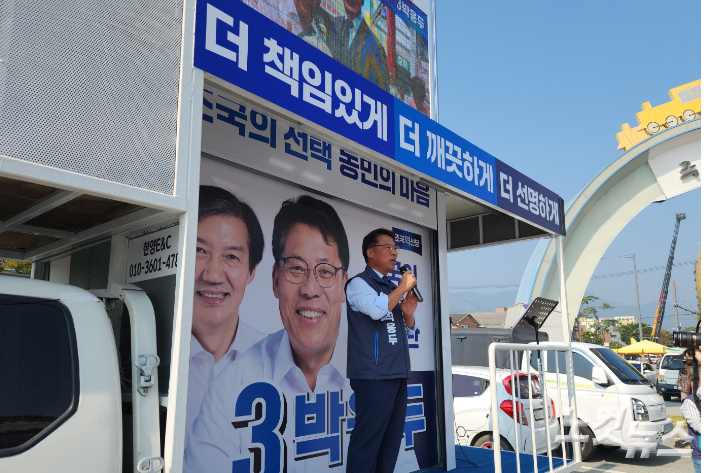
(636, 365)
(621, 368)
(674, 362)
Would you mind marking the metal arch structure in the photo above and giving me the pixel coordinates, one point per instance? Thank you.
(652, 171)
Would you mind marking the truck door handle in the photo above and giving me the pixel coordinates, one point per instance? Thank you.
(150, 464)
(146, 364)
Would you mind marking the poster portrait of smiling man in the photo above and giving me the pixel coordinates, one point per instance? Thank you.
(286, 403)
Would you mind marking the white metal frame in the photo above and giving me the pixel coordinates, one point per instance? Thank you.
(571, 410)
(49, 176)
(567, 341)
(448, 456)
(514, 348)
(187, 183)
(146, 407)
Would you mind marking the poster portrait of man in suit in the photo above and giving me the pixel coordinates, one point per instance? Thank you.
(357, 45)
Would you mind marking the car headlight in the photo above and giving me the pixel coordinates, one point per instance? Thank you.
(639, 409)
(661, 380)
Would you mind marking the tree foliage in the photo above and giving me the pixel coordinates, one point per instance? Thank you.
(665, 338)
(592, 337)
(17, 267)
(627, 331)
(588, 310)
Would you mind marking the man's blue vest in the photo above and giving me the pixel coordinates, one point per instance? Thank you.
(377, 349)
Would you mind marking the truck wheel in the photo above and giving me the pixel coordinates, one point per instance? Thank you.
(587, 448)
(666, 397)
(486, 441)
(609, 448)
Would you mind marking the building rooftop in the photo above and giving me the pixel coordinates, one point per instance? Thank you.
(484, 319)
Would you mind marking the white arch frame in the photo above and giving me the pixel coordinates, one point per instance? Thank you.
(648, 172)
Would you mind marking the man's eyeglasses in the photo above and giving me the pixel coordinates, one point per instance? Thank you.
(297, 271)
(389, 248)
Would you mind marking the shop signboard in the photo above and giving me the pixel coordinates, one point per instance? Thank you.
(152, 255)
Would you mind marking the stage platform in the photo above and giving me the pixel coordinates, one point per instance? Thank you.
(466, 457)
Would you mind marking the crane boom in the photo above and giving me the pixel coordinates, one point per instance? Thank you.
(660, 310)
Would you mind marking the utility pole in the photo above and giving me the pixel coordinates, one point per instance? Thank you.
(636, 281)
(638, 304)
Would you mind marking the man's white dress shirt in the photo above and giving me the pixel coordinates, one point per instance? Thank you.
(213, 443)
(363, 298)
(203, 368)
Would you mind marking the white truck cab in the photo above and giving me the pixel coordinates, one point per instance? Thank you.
(617, 405)
(668, 371)
(60, 384)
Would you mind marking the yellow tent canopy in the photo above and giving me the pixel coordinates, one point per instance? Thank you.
(643, 348)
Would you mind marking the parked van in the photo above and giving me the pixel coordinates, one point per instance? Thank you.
(671, 364)
(613, 399)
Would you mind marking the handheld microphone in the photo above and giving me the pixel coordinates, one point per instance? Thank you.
(403, 269)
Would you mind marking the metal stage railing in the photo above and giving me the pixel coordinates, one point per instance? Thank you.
(566, 412)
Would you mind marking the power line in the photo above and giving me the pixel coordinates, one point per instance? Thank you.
(601, 276)
(491, 286)
(468, 302)
(646, 270)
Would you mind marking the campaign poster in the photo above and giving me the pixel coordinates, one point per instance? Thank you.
(385, 41)
(268, 390)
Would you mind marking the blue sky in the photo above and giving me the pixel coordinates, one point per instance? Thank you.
(530, 81)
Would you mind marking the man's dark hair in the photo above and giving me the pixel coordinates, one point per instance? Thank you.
(215, 201)
(372, 238)
(314, 213)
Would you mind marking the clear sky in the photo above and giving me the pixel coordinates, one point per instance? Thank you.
(531, 81)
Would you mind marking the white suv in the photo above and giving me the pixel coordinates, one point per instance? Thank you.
(472, 410)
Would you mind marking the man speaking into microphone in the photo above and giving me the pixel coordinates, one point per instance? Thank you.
(380, 315)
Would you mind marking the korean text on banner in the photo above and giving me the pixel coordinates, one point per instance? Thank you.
(411, 14)
(238, 131)
(528, 199)
(436, 151)
(241, 46)
(153, 255)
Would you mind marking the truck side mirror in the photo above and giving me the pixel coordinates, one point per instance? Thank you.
(599, 376)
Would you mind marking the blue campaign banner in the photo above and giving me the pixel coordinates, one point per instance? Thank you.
(526, 198)
(424, 145)
(410, 14)
(247, 49)
(243, 47)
